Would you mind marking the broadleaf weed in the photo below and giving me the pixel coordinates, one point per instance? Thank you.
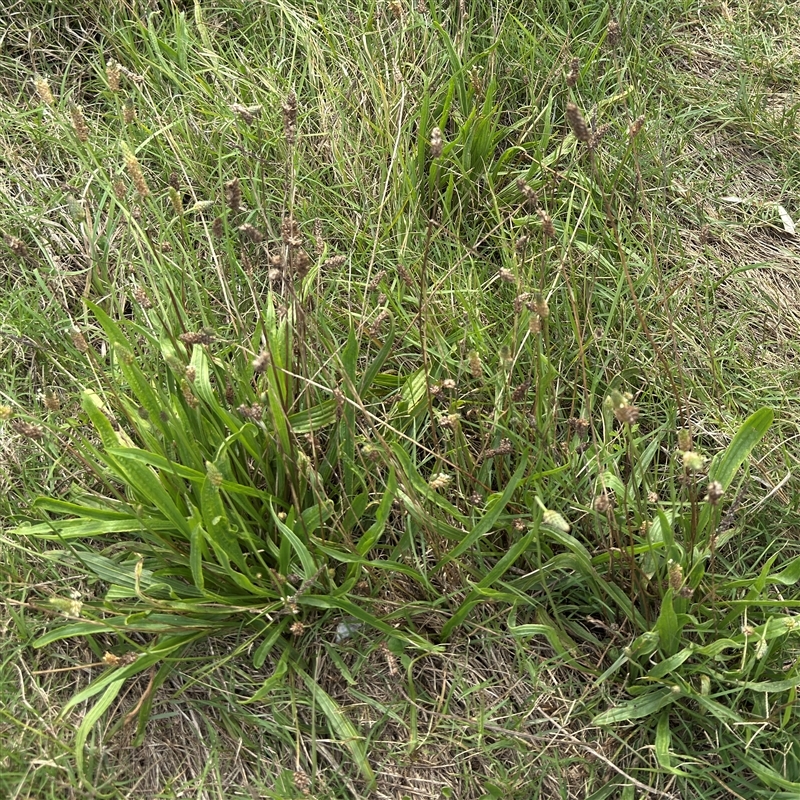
(387, 335)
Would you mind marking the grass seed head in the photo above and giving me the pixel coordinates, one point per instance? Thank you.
(76, 211)
(27, 429)
(78, 340)
(188, 395)
(247, 114)
(475, 365)
(177, 201)
(135, 171)
(206, 336)
(635, 127)
(579, 426)
(376, 281)
(450, 420)
(334, 262)
(503, 449)
(619, 403)
(174, 363)
(715, 493)
(391, 659)
(598, 135)
(675, 578)
(371, 452)
(253, 412)
(52, 402)
(574, 72)
(692, 461)
(290, 118)
(217, 227)
(113, 74)
(521, 392)
(603, 503)
(531, 198)
(261, 362)
(548, 229)
(17, 246)
(437, 145)
(578, 123)
(319, 239)
(627, 414)
(440, 480)
(79, 123)
(132, 76)
(613, 33)
(405, 276)
(68, 607)
(377, 323)
(129, 111)
(301, 262)
(251, 232)
(301, 781)
(233, 195)
(290, 232)
(42, 87)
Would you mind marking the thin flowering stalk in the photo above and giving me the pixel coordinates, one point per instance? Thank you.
(436, 149)
(289, 112)
(680, 396)
(715, 492)
(692, 464)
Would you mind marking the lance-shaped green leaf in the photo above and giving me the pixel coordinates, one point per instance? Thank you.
(645, 705)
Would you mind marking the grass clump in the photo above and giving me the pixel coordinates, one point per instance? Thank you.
(394, 398)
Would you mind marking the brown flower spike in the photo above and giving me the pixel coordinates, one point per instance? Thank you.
(578, 124)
